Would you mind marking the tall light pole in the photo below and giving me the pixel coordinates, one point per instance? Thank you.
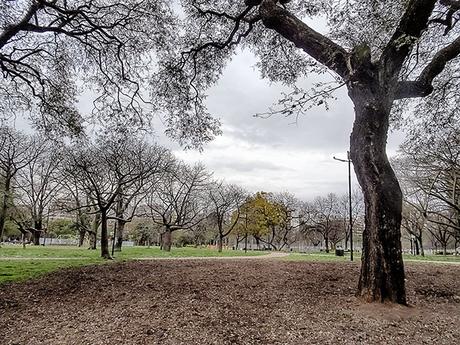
(348, 160)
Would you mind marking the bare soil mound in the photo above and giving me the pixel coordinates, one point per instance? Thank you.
(226, 302)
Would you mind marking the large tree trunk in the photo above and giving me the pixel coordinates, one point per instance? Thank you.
(166, 240)
(120, 229)
(105, 253)
(382, 269)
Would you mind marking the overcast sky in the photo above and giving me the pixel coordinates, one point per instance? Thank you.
(275, 154)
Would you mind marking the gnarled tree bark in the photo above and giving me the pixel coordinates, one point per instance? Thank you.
(382, 269)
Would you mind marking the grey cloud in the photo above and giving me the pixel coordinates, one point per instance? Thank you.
(235, 165)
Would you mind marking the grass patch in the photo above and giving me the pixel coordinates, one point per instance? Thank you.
(440, 258)
(13, 251)
(16, 251)
(321, 257)
(20, 270)
(155, 252)
(325, 257)
(19, 264)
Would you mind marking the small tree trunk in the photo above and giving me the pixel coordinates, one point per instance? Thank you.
(36, 237)
(4, 206)
(220, 241)
(326, 239)
(93, 234)
(257, 242)
(347, 237)
(92, 240)
(382, 269)
(166, 240)
(81, 237)
(37, 231)
(420, 241)
(120, 229)
(105, 253)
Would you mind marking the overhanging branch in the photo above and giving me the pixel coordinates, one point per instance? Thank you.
(313, 43)
(422, 86)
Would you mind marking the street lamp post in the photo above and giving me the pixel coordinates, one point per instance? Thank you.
(348, 160)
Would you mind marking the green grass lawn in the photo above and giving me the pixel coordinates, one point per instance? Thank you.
(429, 257)
(319, 257)
(19, 270)
(155, 252)
(13, 251)
(357, 257)
(17, 264)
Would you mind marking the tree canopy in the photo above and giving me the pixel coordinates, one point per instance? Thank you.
(51, 51)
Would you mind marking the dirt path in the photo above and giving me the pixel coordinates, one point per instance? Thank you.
(272, 255)
(226, 302)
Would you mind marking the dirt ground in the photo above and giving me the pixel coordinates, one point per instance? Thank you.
(226, 302)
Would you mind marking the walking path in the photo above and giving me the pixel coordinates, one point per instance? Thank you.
(272, 255)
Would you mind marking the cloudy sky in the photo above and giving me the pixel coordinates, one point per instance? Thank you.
(275, 154)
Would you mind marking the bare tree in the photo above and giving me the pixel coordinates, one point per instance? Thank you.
(441, 234)
(17, 151)
(104, 170)
(152, 161)
(429, 168)
(413, 222)
(307, 229)
(326, 219)
(178, 201)
(226, 201)
(38, 185)
(357, 211)
(290, 224)
(73, 199)
(383, 52)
